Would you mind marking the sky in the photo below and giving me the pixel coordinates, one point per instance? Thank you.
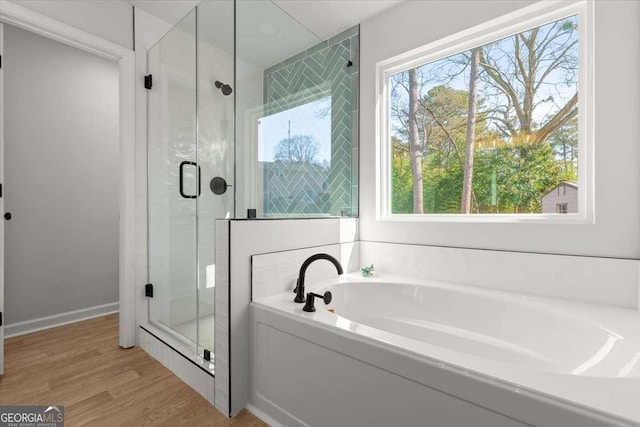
(559, 94)
(313, 119)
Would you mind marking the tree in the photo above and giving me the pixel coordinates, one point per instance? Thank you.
(441, 117)
(529, 70)
(448, 110)
(529, 172)
(415, 147)
(565, 145)
(467, 183)
(297, 149)
(402, 181)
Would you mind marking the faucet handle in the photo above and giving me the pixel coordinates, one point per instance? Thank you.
(327, 297)
(295, 290)
(310, 306)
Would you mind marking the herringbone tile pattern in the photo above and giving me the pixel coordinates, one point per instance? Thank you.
(321, 71)
(299, 188)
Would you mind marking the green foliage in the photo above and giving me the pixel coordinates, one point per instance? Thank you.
(518, 176)
(509, 179)
(443, 184)
(402, 181)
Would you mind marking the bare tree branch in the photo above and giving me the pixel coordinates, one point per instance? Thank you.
(561, 57)
(504, 84)
(560, 118)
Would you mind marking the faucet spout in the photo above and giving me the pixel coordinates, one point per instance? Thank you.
(300, 298)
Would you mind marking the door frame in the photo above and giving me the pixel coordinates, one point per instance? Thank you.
(3, 320)
(18, 16)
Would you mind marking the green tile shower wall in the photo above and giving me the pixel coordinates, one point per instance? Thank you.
(315, 73)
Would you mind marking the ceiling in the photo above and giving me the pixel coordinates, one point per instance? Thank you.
(326, 18)
(169, 11)
(266, 32)
(266, 35)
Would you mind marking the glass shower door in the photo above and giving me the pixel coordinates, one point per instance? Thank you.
(216, 93)
(173, 176)
(190, 168)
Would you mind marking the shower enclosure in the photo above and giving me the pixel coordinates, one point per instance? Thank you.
(247, 109)
(190, 158)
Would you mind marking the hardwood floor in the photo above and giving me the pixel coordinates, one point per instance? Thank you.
(82, 367)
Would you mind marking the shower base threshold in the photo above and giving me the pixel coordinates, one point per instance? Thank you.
(197, 374)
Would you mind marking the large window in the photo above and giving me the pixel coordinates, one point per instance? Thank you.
(489, 127)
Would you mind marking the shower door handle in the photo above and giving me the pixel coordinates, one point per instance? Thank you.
(199, 190)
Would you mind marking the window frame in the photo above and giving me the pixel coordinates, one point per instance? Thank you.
(524, 19)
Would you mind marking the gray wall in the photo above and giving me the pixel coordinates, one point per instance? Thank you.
(107, 19)
(61, 178)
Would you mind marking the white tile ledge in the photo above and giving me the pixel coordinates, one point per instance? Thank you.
(606, 281)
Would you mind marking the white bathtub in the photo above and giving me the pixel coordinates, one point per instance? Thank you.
(463, 356)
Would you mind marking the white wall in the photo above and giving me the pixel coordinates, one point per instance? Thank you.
(617, 132)
(109, 19)
(605, 281)
(61, 177)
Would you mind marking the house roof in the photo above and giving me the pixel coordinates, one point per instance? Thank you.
(571, 184)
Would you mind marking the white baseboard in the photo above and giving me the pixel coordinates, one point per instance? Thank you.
(259, 413)
(42, 323)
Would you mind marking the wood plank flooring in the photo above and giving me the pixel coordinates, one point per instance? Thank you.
(82, 367)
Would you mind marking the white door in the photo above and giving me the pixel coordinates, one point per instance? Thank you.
(2, 220)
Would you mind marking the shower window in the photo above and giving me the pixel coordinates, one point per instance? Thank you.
(294, 153)
(296, 117)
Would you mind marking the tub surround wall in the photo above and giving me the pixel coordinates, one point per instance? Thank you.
(234, 249)
(277, 272)
(607, 281)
